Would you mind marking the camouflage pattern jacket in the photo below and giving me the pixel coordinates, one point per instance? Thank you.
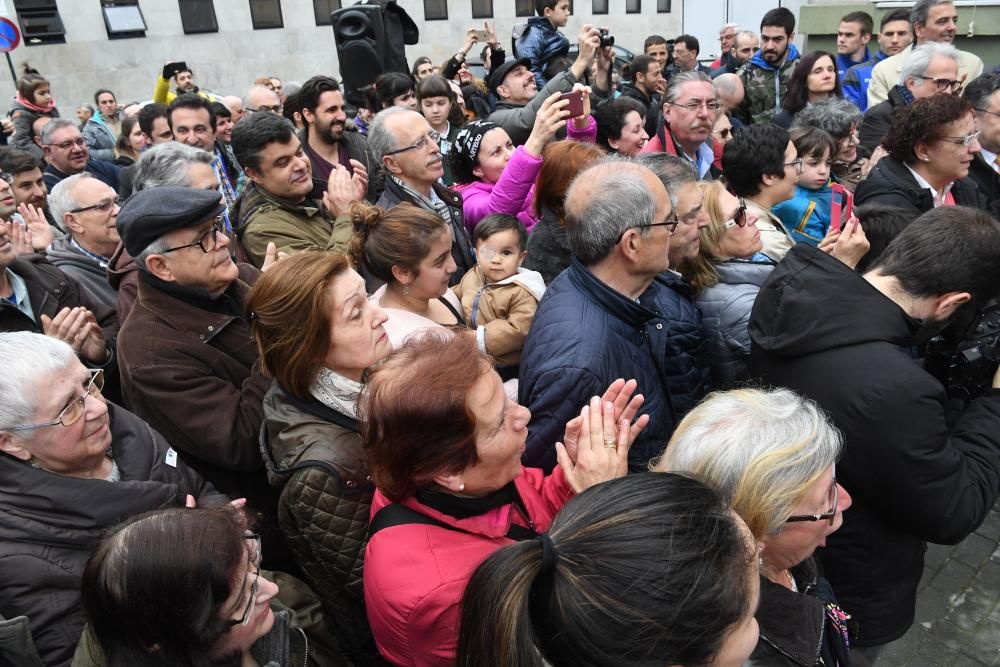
(765, 86)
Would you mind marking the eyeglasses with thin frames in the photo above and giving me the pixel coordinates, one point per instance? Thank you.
(694, 106)
(797, 164)
(218, 227)
(992, 113)
(834, 497)
(421, 143)
(670, 223)
(103, 206)
(73, 410)
(963, 141)
(254, 540)
(65, 145)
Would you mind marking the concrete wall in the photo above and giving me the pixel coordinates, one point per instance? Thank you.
(229, 60)
(820, 23)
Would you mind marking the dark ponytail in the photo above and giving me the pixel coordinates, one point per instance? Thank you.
(648, 569)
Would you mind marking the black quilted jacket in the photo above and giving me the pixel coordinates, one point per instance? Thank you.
(314, 457)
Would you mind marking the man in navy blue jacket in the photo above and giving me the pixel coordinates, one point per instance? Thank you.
(616, 312)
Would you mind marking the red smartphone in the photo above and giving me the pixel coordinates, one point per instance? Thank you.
(575, 98)
(841, 201)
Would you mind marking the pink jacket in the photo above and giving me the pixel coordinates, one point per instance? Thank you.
(416, 574)
(514, 193)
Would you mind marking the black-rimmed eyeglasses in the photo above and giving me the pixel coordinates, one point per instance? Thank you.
(103, 206)
(218, 227)
(834, 497)
(670, 223)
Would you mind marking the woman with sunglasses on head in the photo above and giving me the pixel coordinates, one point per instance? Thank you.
(930, 146)
(771, 456)
(71, 466)
(184, 587)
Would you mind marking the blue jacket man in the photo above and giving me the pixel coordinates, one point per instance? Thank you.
(845, 63)
(616, 312)
(540, 43)
(854, 82)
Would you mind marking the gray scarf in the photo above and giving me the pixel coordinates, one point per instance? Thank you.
(336, 392)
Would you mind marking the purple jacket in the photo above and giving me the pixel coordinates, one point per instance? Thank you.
(514, 193)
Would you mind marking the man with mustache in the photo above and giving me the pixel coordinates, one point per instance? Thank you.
(765, 77)
(690, 109)
(66, 154)
(329, 140)
(275, 205)
(407, 148)
(930, 21)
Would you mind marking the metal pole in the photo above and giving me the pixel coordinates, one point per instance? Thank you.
(10, 64)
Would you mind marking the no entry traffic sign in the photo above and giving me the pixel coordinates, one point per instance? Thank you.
(10, 36)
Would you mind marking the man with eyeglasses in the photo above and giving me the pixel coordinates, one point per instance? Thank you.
(930, 21)
(66, 154)
(984, 96)
(406, 147)
(188, 361)
(88, 209)
(846, 341)
(766, 75)
(73, 464)
(610, 314)
(928, 70)
(261, 98)
(761, 165)
(690, 110)
(275, 205)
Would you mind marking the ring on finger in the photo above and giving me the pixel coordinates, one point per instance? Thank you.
(610, 443)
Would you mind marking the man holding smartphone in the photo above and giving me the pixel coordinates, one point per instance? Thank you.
(846, 341)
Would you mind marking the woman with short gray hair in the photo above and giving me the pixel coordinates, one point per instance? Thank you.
(841, 120)
(771, 455)
(72, 465)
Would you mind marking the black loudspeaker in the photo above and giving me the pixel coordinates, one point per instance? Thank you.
(361, 43)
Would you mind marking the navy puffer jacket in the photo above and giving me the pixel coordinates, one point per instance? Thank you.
(540, 43)
(586, 335)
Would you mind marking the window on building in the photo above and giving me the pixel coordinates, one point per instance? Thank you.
(633, 6)
(123, 19)
(198, 16)
(266, 14)
(323, 8)
(435, 10)
(40, 22)
(662, 6)
(482, 9)
(599, 7)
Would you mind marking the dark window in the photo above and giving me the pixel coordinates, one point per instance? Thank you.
(662, 6)
(633, 6)
(599, 7)
(323, 9)
(198, 16)
(482, 9)
(266, 14)
(524, 8)
(40, 22)
(435, 10)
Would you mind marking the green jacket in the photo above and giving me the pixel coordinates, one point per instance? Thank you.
(259, 217)
(765, 87)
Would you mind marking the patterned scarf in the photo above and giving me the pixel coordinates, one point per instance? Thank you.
(336, 392)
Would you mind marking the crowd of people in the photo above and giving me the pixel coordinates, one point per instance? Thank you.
(571, 365)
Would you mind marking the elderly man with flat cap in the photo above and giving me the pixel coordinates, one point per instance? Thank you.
(188, 362)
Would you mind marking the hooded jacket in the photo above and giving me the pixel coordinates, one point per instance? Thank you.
(845, 63)
(585, 335)
(50, 523)
(822, 330)
(100, 139)
(91, 274)
(540, 43)
(725, 316)
(765, 85)
(891, 183)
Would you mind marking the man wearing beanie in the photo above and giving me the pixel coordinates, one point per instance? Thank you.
(188, 362)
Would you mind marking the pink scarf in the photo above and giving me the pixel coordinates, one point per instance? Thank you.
(47, 109)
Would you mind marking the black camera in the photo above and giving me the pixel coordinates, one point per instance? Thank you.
(606, 39)
(966, 356)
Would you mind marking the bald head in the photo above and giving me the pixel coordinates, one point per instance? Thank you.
(261, 98)
(607, 199)
(729, 90)
(235, 106)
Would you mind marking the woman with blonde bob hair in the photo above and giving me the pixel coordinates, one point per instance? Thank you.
(726, 276)
(771, 456)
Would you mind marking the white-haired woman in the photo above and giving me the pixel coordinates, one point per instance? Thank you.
(771, 455)
(72, 466)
